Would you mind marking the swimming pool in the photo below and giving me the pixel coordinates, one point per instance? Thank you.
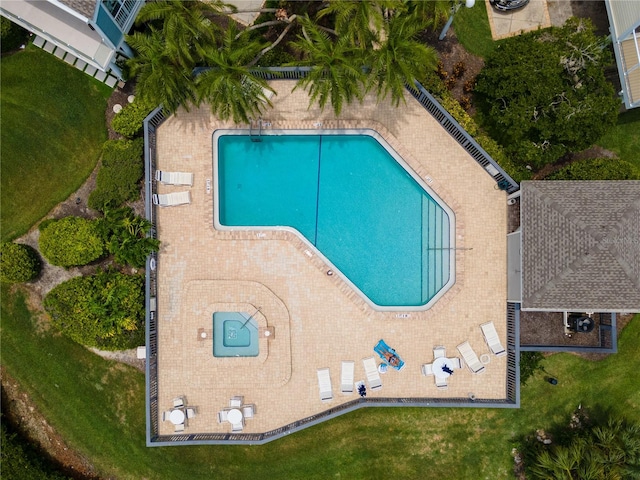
(352, 197)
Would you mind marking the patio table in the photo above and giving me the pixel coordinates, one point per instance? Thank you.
(438, 365)
(234, 416)
(176, 417)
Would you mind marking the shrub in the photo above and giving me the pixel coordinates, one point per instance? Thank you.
(105, 310)
(530, 363)
(121, 169)
(129, 121)
(71, 241)
(12, 36)
(18, 263)
(598, 169)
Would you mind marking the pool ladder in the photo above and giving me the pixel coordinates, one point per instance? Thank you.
(253, 135)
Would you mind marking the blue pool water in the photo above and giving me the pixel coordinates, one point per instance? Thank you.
(235, 334)
(350, 198)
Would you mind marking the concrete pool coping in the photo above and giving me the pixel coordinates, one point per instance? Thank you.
(317, 130)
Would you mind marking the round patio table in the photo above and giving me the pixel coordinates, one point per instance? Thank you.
(176, 417)
(234, 416)
(438, 364)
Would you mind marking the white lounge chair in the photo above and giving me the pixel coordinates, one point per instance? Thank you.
(491, 337)
(236, 401)
(438, 352)
(371, 371)
(470, 357)
(180, 427)
(441, 382)
(324, 384)
(346, 377)
(191, 412)
(427, 369)
(248, 411)
(178, 402)
(222, 416)
(174, 178)
(171, 199)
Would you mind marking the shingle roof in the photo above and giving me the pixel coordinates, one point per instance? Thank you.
(85, 7)
(581, 245)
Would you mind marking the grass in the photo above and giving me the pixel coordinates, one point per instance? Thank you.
(624, 138)
(53, 126)
(98, 406)
(472, 29)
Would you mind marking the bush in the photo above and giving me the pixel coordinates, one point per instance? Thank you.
(597, 169)
(71, 241)
(18, 263)
(129, 121)
(12, 36)
(105, 310)
(530, 363)
(121, 169)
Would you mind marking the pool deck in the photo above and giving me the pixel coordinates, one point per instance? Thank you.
(317, 320)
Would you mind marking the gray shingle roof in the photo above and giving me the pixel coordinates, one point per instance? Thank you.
(581, 245)
(85, 7)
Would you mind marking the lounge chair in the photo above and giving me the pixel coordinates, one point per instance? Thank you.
(171, 199)
(371, 371)
(470, 357)
(222, 416)
(191, 412)
(456, 363)
(441, 382)
(387, 353)
(174, 178)
(438, 352)
(346, 377)
(249, 410)
(180, 427)
(491, 337)
(324, 384)
(427, 369)
(236, 402)
(178, 402)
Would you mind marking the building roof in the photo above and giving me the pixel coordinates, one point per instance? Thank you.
(84, 7)
(580, 245)
(624, 18)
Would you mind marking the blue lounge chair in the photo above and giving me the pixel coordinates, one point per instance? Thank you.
(385, 351)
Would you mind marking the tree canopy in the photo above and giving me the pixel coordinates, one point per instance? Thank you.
(544, 93)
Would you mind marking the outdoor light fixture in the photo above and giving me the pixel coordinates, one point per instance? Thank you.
(454, 9)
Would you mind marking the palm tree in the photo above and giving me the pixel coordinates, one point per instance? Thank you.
(229, 84)
(184, 25)
(336, 74)
(162, 79)
(433, 12)
(400, 58)
(360, 20)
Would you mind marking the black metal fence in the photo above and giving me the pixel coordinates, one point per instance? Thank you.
(512, 394)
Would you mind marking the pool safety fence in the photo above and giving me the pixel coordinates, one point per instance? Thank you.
(152, 412)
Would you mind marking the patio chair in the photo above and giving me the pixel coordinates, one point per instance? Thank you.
(324, 384)
(180, 427)
(438, 352)
(178, 402)
(171, 199)
(456, 363)
(165, 415)
(222, 416)
(427, 369)
(191, 412)
(346, 377)
(441, 382)
(236, 402)
(491, 337)
(249, 410)
(174, 178)
(237, 427)
(371, 371)
(470, 357)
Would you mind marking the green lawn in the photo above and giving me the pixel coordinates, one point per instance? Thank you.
(624, 139)
(99, 407)
(51, 131)
(472, 29)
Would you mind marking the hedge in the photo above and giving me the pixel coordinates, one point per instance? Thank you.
(598, 169)
(18, 263)
(129, 121)
(71, 241)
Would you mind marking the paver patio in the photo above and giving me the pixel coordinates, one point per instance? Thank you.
(317, 319)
